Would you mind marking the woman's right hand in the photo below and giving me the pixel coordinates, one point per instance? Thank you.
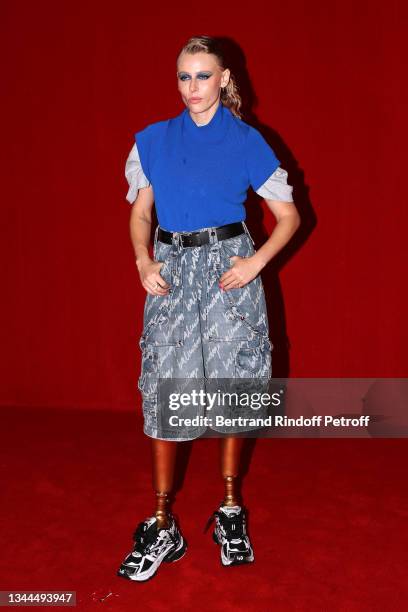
(150, 278)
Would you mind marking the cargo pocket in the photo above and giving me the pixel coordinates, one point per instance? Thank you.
(254, 362)
(147, 382)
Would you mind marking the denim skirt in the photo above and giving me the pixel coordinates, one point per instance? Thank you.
(198, 334)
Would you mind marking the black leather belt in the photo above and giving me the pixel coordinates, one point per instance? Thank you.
(198, 238)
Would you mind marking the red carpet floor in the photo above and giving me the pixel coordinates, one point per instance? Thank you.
(327, 518)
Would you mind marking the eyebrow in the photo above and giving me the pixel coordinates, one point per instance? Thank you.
(197, 72)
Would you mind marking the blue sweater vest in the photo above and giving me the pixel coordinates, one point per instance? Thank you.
(201, 174)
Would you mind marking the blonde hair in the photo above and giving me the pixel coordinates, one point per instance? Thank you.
(207, 44)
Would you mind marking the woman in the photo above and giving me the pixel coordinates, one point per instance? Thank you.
(205, 313)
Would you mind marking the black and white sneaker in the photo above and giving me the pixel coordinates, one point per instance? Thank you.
(230, 533)
(152, 546)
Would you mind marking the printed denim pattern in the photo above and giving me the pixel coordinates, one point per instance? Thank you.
(198, 330)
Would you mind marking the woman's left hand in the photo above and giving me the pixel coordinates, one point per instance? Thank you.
(242, 271)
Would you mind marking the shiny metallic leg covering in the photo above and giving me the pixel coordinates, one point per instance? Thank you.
(164, 457)
(230, 462)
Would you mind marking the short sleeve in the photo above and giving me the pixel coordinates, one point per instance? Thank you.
(134, 174)
(276, 187)
(261, 160)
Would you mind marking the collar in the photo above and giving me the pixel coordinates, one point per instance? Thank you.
(214, 131)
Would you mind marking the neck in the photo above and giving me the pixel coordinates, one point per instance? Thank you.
(205, 116)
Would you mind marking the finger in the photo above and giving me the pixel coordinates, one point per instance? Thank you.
(229, 281)
(155, 288)
(159, 290)
(160, 285)
(161, 281)
(233, 284)
(226, 276)
(156, 278)
(229, 277)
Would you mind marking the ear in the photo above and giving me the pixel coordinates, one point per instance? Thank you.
(225, 77)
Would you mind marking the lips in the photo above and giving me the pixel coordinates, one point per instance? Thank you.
(195, 100)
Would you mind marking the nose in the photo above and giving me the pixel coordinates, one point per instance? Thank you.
(193, 85)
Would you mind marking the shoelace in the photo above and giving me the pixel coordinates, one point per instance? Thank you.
(233, 525)
(145, 538)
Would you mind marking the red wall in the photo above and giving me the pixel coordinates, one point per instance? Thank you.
(80, 79)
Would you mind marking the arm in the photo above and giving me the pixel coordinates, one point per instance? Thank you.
(278, 195)
(245, 269)
(140, 231)
(288, 221)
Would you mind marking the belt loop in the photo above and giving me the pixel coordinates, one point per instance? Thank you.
(177, 247)
(247, 231)
(212, 235)
(155, 241)
(177, 241)
(214, 250)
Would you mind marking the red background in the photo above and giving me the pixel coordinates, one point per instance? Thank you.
(81, 78)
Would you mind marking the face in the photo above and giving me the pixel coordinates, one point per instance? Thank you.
(200, 79)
